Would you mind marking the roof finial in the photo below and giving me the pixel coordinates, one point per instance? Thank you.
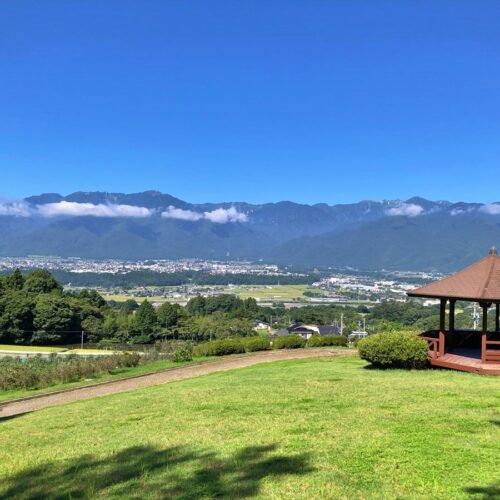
(493, 251)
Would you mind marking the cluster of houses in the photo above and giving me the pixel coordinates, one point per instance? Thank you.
(307, 331)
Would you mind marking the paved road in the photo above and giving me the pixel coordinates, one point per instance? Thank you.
(171, 375)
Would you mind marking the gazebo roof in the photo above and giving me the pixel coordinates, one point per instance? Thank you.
(478, 282)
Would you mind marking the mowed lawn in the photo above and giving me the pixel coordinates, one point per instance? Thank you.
(325, 428)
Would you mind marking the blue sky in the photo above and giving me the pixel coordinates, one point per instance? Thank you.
(317, 101)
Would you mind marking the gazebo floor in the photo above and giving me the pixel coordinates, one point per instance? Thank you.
(466, 364)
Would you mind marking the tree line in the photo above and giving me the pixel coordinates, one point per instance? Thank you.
(35, 309)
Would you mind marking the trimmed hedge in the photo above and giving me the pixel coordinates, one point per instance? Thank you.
(289, 342)
(219, 347)
(394, 350)
(325, 340)
(253, 344)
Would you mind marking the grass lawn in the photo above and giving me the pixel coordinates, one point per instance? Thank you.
(152, 367)
(297, 429)
(29, 348)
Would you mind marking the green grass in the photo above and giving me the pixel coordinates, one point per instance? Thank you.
(298, 429)
(146, 368)
(272, 293)
(29, 348)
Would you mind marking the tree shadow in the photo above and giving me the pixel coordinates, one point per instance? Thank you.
(491, 492)
(142, 471)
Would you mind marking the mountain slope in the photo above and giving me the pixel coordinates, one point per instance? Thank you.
(412, 234)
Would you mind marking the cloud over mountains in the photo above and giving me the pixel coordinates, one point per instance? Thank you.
(73, 209)
(76, 209)
(405, 209)
(217, 216)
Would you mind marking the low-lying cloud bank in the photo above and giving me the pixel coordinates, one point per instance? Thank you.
(491, 208)
(217, 216)
(16, 208)
(74, 209)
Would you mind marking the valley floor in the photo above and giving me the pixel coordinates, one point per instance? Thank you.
(310, 428)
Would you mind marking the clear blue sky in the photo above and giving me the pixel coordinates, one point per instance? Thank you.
(314, 101)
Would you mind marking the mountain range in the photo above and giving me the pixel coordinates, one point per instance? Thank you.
(413, 234)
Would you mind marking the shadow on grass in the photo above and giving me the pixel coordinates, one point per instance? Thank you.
(144, 471)
(491, 492)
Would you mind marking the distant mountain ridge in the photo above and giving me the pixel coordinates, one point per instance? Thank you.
(413, 234)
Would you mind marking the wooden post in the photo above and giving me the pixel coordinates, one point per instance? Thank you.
(497, 319)
(485, 331)
(451, 334)
(442, 326)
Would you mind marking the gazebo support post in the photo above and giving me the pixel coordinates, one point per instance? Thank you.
(442, 326)
(497, 318)
(485, 331)
(451, 336)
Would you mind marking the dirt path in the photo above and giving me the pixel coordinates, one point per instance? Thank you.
(170, 375)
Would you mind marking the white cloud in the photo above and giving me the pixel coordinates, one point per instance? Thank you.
(217, 216)
(74, 209)
(17, 208)
(491, 208)
(180, 214)
(224, 215)
(406, 209)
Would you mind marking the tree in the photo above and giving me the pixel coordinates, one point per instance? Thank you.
(16, 317)
(145, 322)
(54, 321)
(169, 314)
(15, 281)
(93, 327)
(196, 306)
(41, 281)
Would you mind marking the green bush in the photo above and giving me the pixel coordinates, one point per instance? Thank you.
(289, 342)
(219, 347)
(182, 355)
(394, 350)
(253, 344)
(326, 340)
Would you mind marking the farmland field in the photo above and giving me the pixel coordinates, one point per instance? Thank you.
(320, 428)
(270, 293)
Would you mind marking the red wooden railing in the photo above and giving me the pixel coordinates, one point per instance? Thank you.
(488, 354)
(433, 346)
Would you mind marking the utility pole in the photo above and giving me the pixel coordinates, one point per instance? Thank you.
(341, 323)
(81, 343)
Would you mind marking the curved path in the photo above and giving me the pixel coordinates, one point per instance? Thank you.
(162, 377)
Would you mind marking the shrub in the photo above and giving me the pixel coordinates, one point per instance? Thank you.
(394, 350)
(253, 344)
(324, 340)
(182, 355)
(34, 373)
(289, 342)
(220, 347)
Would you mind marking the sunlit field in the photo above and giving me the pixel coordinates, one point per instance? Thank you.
(321, 428)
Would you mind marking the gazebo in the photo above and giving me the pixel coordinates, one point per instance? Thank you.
(466, 350)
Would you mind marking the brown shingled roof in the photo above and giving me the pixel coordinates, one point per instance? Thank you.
(479, 282)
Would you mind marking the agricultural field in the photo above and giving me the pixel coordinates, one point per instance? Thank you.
(271, 293)
(266, 293)
(316, 428)
(29, 348)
